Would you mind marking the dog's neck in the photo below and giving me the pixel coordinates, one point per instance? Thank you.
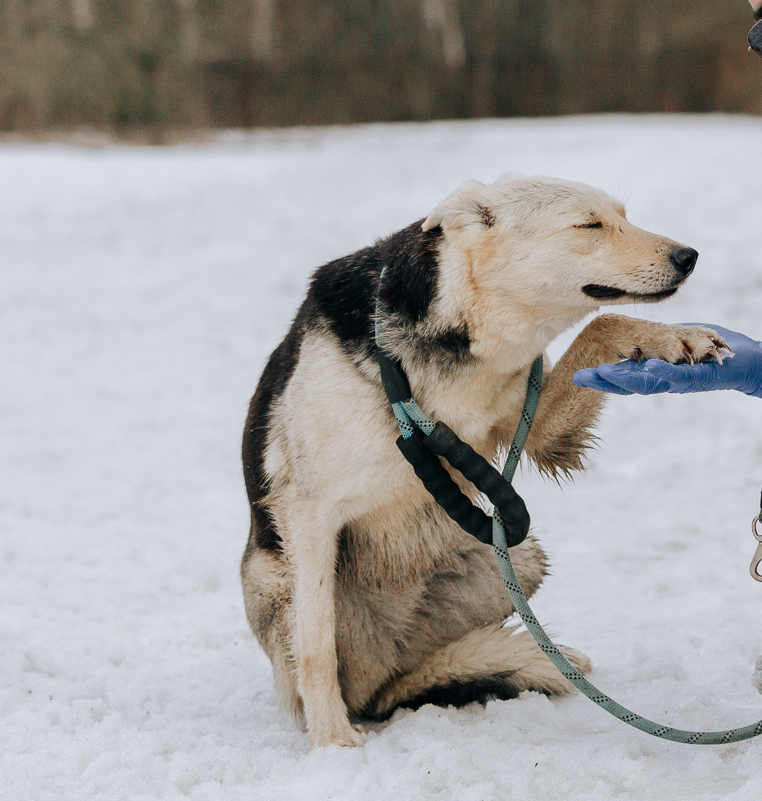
(517, 335)
(468, 355)
(508, 326)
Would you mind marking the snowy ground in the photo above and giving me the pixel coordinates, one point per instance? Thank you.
(141, 291)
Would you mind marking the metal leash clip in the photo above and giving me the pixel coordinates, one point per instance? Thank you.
(758, 555)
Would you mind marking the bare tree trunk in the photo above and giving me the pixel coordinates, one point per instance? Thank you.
(263, 30)
(82, 14)
(189, 35)
(15, 16)
(442, 16)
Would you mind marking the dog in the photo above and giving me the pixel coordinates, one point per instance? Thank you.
(363, 593)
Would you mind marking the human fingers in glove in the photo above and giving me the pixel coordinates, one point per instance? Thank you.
(741, 371)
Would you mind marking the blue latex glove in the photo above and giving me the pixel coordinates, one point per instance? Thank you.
(742, 372)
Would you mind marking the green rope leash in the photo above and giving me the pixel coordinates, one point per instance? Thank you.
(409, 415)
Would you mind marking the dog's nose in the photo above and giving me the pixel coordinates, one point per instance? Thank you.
(684, 260)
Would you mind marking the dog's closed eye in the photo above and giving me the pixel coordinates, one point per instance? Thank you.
(598, 224)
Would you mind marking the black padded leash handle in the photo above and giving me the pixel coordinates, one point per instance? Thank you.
(444, 442)
(443, 489)
(422, 452)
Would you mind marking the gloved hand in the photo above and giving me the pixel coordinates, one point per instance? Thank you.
(742, 372)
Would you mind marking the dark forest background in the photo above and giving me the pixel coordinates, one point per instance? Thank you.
(129, 65)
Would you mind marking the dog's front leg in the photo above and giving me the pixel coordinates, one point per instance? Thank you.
(566, 412)
(312, 545)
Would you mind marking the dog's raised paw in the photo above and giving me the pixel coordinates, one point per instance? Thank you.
(700, 344)
(680, 344)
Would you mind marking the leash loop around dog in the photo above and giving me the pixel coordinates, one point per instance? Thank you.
(416, 428)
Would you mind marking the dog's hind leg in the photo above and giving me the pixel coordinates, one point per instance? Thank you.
(490, 662)
(457, 650)
(267, 594)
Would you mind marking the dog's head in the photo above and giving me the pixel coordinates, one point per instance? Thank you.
(552, 247)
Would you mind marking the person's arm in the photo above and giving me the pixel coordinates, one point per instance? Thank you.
(756, 7)
(742, 372)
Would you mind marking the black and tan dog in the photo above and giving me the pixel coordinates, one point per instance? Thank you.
(363, 593)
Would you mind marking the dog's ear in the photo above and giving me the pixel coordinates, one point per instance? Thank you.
(468, 206)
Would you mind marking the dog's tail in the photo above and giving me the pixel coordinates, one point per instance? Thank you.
(490, 662)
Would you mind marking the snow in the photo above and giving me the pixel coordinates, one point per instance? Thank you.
(142, 290)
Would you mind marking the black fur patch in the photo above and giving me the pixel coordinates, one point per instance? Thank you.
(342, 297)
(410, 285)
(456, 342)
(482, 690)
(343, 292)
(279, 369)
(487, 688)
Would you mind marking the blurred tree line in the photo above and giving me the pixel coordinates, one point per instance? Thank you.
(153, 64)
